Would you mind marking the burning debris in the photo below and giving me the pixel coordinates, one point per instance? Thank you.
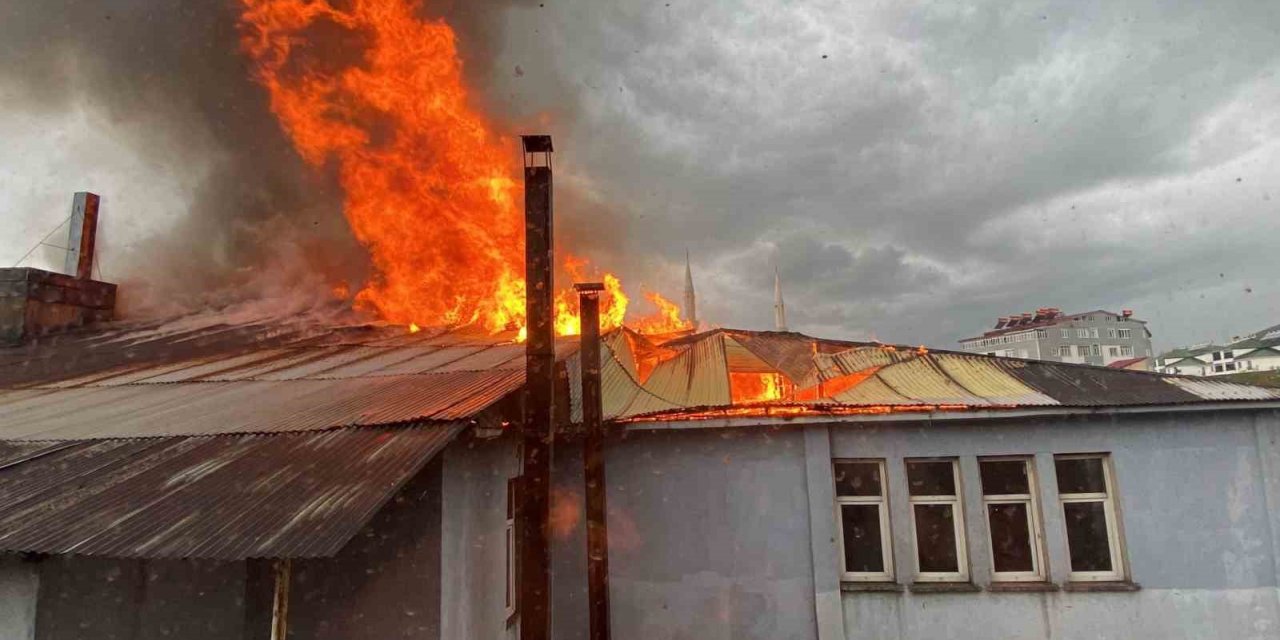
(431, 187)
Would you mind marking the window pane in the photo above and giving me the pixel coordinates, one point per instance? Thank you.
(1087, 536)
(931, 478)
(1010, 537)
(936, 538)
(857, 479)
(1080, 475)
(863, 552)
(1004, 477)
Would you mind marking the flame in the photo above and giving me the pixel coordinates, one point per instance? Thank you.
(429, 187)
(666, 320)
(754, 387)
(414, 328)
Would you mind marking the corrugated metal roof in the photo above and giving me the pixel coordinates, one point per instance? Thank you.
(229, 498)
(843, 374)
(251, 406)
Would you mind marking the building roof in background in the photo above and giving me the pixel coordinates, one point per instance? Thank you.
(1126, 363)
(1043, 318)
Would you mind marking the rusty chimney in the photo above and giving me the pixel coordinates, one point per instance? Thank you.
(593, 462)
(35, 302)
(540, 359)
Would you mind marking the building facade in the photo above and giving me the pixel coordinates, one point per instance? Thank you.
(1098, 338)
(1255, 352)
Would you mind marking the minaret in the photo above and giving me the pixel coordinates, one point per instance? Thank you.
(779, 308)
(690, 300)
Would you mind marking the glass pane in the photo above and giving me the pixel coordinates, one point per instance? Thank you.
(1004, 477)
(1087, 536)
(857, 479)
(863, 552)
(1080, 475)
(936, 538)
(931, 478)
(1010, 537)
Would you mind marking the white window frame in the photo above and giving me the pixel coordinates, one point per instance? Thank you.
(1093, 332)
(1038, 571)
(957, 509)
(1108, 500)
(1082, 332)
(1064, 351)
(509, 594)
(1066, 334)
(1111, 333)
(1126, 333)
(886, 533)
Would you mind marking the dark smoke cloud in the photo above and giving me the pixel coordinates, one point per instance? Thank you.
(168, 80)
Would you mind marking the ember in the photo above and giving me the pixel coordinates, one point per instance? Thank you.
(430, 188)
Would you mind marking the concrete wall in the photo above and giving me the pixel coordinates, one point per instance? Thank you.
(385, 583)
(82, 598)
(709, 536)
(1198, 501)
(19, 584)
(473, 557)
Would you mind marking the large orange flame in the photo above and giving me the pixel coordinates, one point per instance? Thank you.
(430, 188)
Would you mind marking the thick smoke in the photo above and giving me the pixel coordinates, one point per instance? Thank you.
(169, 81)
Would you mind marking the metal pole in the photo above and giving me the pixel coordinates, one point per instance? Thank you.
(540, 358)
(593, 462)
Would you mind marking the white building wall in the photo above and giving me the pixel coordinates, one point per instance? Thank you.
(19, 585)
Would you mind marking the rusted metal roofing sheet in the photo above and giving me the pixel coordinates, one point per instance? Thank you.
(250, 406)
(698, 376)
(227, 498)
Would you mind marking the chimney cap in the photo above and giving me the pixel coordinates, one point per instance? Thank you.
(588, 287)
(537, 144)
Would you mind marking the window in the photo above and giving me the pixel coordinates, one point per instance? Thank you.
(1114, 352)
(1096, 349)
(1093, 332)
(1042, 334)
(1082, 350)
(1064, 350)
(1013, 519)
(864, 521)
(509, 598)
(1125, 333)
(1082, 333)
(1111, 333)
(1066, 333)
(936, 521)
(1087, 493)
(1126, 350)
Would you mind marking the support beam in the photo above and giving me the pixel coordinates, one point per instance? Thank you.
(536, 431)
(283, 570)
(593, 462)
(83, 236)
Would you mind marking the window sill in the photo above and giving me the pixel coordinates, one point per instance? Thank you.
(1022, 587)
(1118, 586)
(944, 587)
(871, 587)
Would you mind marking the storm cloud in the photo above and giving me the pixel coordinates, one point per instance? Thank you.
(911, 169)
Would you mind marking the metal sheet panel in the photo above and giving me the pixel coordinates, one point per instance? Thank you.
(980, 377)
(922, 381)
(252, 406)
(1210, 389)
(228, 498)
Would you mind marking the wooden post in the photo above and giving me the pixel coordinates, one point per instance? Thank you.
(593, 462)
(280, 602)
(539, 391)
(83, 236)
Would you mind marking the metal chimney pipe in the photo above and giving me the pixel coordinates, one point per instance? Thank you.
(83, 236)
(539, 390)
(593, 461)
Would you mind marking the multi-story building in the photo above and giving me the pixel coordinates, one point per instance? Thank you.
(1098, 337)
(1255, 352)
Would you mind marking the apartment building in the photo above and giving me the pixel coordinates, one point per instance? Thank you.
(1101, 338)
(1258, 351)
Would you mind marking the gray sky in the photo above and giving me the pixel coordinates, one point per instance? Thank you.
(915, 169)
